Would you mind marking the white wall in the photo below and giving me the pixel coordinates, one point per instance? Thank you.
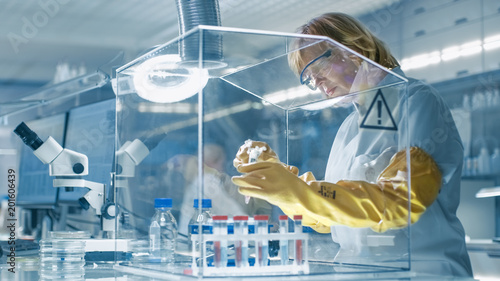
(416, 27)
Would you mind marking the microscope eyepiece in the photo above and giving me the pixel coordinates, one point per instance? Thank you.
(29, 137)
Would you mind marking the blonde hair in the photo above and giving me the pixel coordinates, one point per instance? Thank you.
(347, 31)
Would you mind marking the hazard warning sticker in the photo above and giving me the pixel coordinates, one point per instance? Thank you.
(379, 115)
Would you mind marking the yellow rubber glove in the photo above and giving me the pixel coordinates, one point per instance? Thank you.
(380, 206)
(307, 220)
(268, 155)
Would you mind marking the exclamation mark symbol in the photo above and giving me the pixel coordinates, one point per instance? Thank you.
(379, 106)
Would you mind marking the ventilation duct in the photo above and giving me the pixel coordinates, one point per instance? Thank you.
(192, 13)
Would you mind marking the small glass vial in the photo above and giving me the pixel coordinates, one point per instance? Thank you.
(241, 246)
(220, 246)
(298, 253)
(261, 244)
(283, 228)
(483, 162)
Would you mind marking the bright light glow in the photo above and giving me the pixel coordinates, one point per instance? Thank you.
(491, 46)
(420, 61)
(434, 57)
(238, 108)
(324, 104)
(161, 79)
(471, 48)
(486, 278)
(492, 42)
(493, 38)
(488, 192)
(178, 108)
(228, 111)
(288, 94)
(450, 53)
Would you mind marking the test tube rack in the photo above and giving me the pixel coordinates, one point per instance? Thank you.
(291, 267)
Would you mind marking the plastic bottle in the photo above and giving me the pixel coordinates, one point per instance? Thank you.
(483, 162)
(478, 101)
(466, 102)
(495, 161)
(163, 231)
(474, 168)
(199, 217)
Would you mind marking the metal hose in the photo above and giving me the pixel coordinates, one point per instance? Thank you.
(192, 13)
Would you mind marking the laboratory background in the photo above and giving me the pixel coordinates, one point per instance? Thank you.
(118, 160)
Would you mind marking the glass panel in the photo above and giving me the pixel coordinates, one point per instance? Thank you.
(182, 115)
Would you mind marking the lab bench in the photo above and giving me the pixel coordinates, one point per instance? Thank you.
(485, 257)
(27, 270)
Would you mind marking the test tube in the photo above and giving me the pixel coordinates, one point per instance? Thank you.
(298, 255)
(241, 246)
(262, 245)
(220, 246)
(283, 242)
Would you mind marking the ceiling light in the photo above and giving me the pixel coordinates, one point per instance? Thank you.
(177, 108)
(450, 53)
(288, 94)
(471, 48)
(492, 42)
(420, 61)
(160, 79)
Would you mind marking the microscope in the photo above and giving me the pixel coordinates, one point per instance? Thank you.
(68, 167)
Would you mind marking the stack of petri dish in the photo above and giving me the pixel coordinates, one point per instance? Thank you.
(62, 256)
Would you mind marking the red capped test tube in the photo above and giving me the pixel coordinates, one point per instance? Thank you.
(298, 254)
(220, 246)
(262, 244)
(241, 246)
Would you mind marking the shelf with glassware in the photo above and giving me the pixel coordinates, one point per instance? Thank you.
(475, 105)
(482, 149)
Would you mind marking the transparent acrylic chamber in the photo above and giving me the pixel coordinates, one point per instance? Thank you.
(185, 108)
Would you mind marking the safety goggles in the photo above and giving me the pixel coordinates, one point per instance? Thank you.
(308, 76)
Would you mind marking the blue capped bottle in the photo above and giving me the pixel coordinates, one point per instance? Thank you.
(200, 216)
(163, 232)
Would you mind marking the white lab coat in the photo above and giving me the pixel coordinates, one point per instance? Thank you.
(437, 238)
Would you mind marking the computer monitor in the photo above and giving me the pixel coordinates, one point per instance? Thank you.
(91, 131)
(35, 189)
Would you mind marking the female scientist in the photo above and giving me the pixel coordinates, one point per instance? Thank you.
(365, 188)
